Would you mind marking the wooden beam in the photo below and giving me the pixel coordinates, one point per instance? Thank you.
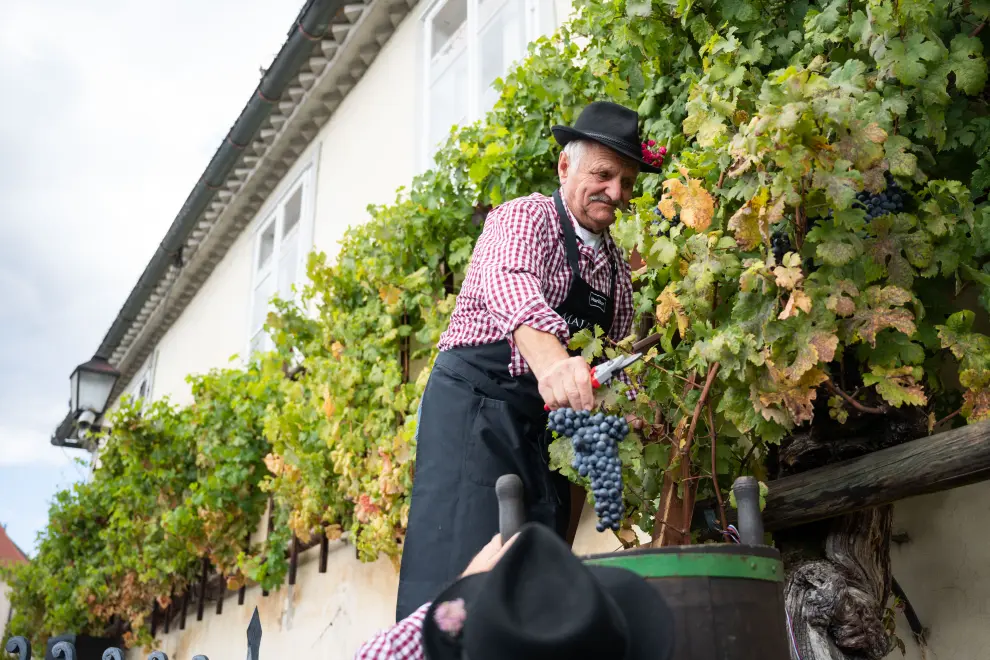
(948, 460)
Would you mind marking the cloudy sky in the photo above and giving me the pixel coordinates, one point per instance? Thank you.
(109, 112)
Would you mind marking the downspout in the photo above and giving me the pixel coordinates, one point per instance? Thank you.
(311, 26)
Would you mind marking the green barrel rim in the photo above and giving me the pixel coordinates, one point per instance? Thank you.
(663, 565)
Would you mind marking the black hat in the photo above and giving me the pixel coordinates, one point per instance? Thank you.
(540, 601)
(609, 124)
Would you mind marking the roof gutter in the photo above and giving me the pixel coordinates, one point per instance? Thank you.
(311, 26)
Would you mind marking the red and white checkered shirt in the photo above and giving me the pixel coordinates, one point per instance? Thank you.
(403, 641)
(519, 273)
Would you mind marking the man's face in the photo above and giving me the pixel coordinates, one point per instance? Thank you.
(600, 181)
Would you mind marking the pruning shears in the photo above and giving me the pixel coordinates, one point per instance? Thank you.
(605, 371)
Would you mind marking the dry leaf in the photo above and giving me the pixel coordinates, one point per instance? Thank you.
(798, 300)
(751, 223)
(627, 536)
(670, 305)
(874, 133)
(696, 206)
(825, 344)
(788, 278)
(328, 407)
(389, 295)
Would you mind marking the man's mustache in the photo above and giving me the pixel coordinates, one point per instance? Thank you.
(601, 197)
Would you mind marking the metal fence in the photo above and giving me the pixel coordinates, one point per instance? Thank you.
(64, 650)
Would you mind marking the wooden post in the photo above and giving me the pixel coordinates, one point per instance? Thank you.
(202, 589)
(324, 552)
(919, 467)
(293, 559)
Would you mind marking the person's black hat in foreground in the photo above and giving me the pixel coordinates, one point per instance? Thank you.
(541, 602)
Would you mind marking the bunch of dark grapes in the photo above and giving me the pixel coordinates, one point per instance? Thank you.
(596, 441)
(781, 244)
(662, 223)
(889, 200)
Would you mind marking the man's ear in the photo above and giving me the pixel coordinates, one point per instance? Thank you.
(563, 165)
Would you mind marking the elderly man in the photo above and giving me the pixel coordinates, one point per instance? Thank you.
(543, 269)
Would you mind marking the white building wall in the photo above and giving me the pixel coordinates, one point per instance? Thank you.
(943, 565)
(4, 608)
(325, 616)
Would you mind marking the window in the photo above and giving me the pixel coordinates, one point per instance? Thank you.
(468, 44)
(280, 251)
(142, 388)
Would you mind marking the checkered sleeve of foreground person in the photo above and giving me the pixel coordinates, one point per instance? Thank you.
(403, 641)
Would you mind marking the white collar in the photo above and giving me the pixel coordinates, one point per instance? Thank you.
(586, 236)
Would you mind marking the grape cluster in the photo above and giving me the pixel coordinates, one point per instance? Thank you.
(890, 200)
(781, 244)
(662, 223)
(596, 440)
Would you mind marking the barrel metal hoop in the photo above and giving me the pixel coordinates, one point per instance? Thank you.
(663, 565)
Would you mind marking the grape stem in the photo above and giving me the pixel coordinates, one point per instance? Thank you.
(978, 29)
(853, 402)
(718, 491)
(948, 417)
(686, 450)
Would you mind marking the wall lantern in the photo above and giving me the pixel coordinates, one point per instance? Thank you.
(91, 384)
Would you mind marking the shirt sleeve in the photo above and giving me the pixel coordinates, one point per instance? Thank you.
(403, 641)
(511, 256)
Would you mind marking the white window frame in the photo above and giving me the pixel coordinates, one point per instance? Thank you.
(146, 377)
(305, 176)
(539, 18)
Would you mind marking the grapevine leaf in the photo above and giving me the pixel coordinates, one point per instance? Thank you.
(794, 395)
(581, 339)
(562, 456)
(671, 306)
(798, 300)
(696, 205)
(897, 386)
(836, 253)
(751, 223)
(788, 278)
(901, 162)
(976, 405)
(389, 295)
(664, 250)
(879, 308)
(967, 62)
(838, 185)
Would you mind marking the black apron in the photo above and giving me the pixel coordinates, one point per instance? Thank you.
(476, 423)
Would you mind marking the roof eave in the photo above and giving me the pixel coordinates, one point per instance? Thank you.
(331, 45)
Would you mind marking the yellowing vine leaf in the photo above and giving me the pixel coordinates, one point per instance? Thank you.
(881, 309)
(898, 386)
(336, 349)
(670, 305)
(751, 223)
(841, 300)
(274, 463)
(799, 300)
(788, 278)
(696, 205)
(976, 405)
(389, 294)
(328, 406)
(794, 394)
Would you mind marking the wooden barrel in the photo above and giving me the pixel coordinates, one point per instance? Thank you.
(727, 599)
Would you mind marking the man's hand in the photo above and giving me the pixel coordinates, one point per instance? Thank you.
(567, 383)
(564, 380)
(488, 556)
